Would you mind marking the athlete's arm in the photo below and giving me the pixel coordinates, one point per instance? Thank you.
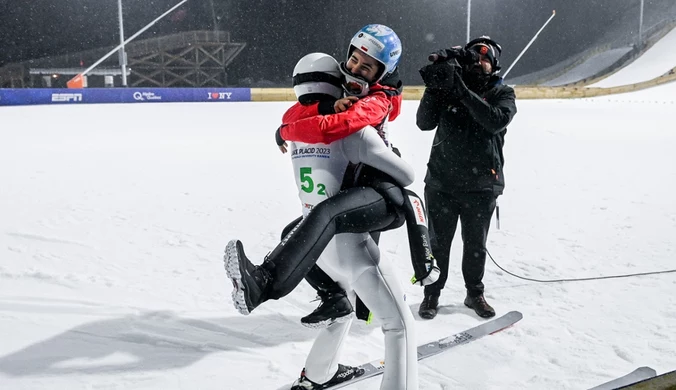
(367, 147)
(328, 128)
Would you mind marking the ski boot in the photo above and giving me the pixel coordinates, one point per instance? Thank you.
(344, 373)
(334, 307)
(249, 281)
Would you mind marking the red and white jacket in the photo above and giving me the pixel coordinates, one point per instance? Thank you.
(305, 124)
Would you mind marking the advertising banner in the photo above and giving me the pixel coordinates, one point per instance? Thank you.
(19, 97)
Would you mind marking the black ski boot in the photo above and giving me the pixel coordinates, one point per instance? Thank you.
(428, 307)
(334, 307)
(343, 374)
(480, 306)
(249, 281)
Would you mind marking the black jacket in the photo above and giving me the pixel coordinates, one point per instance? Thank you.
(466, 152)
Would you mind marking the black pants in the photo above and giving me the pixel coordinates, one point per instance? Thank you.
(382, 207)
(474, 211)
(355, 210)
(322, 282)
(316, 277)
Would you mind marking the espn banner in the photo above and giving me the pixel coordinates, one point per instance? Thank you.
(22, 96)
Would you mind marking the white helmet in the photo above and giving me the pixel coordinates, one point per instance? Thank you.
(315, 76)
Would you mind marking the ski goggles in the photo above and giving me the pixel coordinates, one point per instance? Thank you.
(353, 85)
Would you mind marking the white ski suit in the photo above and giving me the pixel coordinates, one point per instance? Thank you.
(354, 261)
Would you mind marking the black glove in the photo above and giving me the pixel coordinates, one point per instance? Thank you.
(325, 107)
(439, 75)
(278, 136)
(458, 90)
(463, 56)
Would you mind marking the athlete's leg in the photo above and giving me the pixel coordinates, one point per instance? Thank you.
(322, 361)
(374, 281)
(359, 209)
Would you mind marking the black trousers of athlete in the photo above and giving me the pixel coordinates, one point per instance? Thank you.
(383, 206)
(419, 242)
(316, 277)
(323, 283)
(355, 210)
(474, 210)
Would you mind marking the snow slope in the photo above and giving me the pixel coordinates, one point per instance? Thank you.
(590, 67)
(655, 62)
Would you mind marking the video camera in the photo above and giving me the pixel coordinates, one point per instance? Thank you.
(463, 56)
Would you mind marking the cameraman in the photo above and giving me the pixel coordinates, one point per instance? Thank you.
(469, 105)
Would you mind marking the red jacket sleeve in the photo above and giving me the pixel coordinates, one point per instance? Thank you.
(299, 111)
(370, 110)
(396, 107)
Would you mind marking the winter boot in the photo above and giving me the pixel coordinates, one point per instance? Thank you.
(343, 374)
(334, 307)
(249, 281)
(480, 306)
(428, 307)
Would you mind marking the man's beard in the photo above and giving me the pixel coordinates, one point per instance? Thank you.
(475, 78)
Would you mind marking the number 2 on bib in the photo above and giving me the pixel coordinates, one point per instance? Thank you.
(307, 184)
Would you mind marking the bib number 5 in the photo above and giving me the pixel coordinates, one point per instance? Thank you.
(307, 184)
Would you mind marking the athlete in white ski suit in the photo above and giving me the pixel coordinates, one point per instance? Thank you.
(354, 260)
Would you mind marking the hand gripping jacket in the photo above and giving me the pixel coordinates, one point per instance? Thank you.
(371, 110)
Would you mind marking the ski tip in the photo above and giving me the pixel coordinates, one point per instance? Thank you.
(514, 314)
(647, 370)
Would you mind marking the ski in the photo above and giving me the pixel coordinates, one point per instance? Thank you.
(638, 375)
(375, 367)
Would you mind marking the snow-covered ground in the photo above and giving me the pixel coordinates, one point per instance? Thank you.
(113, 219)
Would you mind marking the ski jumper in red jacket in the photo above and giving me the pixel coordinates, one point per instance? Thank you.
(306, 124)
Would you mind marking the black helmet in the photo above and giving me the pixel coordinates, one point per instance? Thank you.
(486, 46)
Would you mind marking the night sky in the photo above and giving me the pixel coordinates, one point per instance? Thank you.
(278, 33)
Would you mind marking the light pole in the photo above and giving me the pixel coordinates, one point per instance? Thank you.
(213, 15)
(469, 13)
(529, 43)
(640, 27)
(76, 82)
(123, 55)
